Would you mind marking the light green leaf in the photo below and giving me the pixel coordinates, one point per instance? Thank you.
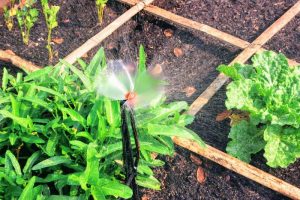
(50, 162)
(174, 130)
(246, 140)
(283, 145)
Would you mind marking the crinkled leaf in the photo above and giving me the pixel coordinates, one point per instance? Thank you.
(246, 140)
(283, 145)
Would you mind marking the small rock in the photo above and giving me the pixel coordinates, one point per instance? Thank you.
(178, 52)
(168, 33)
(201, 175)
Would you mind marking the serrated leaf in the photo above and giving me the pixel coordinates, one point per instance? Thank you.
(246, 140)
(283, 145)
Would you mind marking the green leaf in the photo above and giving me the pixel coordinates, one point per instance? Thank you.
(112, 111)
(24, 122)
(27, 192)
(246, 140)
(283, 146)
(86, 82)
(114, 188)
(174, 130)
(160, 113)
(52, 143)
(96, 64)
(75, 116)
(148, 182)
(50, 162)
(38, 74)
(13, 160)
(232, 72)
(30, 161)
(142, 60)
(4, 79)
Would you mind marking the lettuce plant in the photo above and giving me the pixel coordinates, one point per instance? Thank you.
(50, 13)
(268, 90)
(101, 4)
(9, 13)
(27, 16)
(61, 140)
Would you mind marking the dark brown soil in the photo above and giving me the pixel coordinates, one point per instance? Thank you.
(195, 68)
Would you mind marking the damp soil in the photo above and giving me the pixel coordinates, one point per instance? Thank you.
(188, 75)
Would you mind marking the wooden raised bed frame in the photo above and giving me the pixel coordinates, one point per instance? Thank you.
(249, 49)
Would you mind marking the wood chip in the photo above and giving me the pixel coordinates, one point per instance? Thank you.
(178, 52)
(154, 155)
(201, 175)
(195, 159)
(168, 33)
(189, 91)
(157, 70)
(145, 197)
(223, 115)
(58, 40)
(86, 55)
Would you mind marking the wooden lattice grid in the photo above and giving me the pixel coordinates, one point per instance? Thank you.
(249, 49)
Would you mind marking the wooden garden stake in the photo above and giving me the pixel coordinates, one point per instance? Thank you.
(190, 24)
(244, 56)
(107, 31)
(241, 167)
(17, 61)
(208, 152)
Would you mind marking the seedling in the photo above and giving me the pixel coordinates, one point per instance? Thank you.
(9, 13)
(26, 17)
(101, 4)
(50, 13)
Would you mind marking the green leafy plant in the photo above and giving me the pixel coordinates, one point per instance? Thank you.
(9, 14)
(269, 92)
(60, 139)
(100, 4)
(27, 16)
(50, 13)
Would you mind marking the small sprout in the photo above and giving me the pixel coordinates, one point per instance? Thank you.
(101, 4)
(9, 13)
(50, 13)
(26, 17)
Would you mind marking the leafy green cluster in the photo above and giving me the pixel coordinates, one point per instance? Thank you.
(27, 16)
(269, 90)
(60, 140)
(101, 4)
(50, 13)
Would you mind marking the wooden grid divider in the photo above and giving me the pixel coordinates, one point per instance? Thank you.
(209, 152)
(190, 24)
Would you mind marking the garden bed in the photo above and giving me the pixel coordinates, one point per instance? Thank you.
(195, 68)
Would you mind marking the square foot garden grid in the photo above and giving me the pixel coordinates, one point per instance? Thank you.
(249, 49)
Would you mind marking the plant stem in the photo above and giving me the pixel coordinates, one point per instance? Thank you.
(101, 13)
(49, 45)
